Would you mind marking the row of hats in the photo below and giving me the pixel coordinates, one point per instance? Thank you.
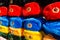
(32, 8)
(50, 12)
(16, 22)
(31, 24)
(14, 26)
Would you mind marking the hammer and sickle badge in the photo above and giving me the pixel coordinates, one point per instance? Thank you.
(29, 25)
(12, 22)
(11, 9)
(55, 10)
(28, 9)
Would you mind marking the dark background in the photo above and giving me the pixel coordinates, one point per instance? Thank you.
(22, 2)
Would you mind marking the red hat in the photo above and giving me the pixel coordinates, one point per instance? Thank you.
(52, 11)
(3, 11)
(14, 10)
(31, 9)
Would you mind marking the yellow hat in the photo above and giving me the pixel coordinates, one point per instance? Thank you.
(15, 31)
(4, 29)
(32, 35)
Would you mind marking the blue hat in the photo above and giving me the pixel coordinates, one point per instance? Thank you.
(15, 22)
(32, 24)
(4, 21)
(52, 27)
